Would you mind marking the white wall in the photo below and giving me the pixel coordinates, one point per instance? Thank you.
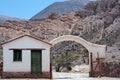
(11, 66)
(45, 60)
(25, 65)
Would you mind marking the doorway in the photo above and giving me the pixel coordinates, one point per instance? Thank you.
(36, 61)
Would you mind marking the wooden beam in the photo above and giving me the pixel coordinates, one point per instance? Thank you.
(91, 66)
(27, 49)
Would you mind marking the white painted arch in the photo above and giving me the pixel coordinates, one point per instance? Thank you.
(91, 47)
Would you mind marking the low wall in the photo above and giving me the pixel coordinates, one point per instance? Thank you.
(111, 68)
(25, 75)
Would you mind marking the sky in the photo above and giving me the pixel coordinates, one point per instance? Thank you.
(24, 9)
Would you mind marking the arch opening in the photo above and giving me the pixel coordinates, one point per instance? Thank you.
(70, 55)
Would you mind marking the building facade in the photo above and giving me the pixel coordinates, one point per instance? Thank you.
(26, 57)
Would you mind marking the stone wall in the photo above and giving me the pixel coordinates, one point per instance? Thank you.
(111, 68)
(25, 75)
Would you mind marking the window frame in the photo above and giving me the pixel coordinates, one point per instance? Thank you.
(17, 56)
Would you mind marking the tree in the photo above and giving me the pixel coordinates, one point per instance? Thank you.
(85, 53)
(64, 60)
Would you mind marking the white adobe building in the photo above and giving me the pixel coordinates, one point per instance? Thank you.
(26, 57)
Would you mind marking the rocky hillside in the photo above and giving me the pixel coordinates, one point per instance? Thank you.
(61, 8)
(5, 18)
(100, 22)
(46, 29)
(97, 22)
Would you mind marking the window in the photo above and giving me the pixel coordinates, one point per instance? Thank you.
(17, 55)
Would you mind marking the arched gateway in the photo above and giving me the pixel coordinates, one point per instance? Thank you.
(98, 52)
(95, 49)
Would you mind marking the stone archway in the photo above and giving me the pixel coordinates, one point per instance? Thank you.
(91, 47)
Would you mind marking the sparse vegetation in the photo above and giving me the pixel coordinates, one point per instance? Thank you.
(64, 60)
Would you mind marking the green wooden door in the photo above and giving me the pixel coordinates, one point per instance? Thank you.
(36, 61)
